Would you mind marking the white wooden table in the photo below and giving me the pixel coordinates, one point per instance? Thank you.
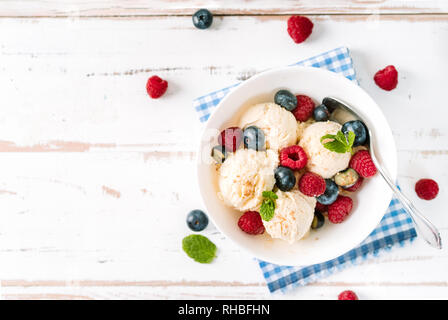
(96, 178)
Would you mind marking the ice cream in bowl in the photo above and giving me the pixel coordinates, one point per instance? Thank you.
(284, 177)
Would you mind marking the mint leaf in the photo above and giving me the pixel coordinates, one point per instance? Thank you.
(336, 146)
(199, 248)
(351, 139)
(327, 136)
(339, 143)
(341, 138)
(269, 195)
(267, 209)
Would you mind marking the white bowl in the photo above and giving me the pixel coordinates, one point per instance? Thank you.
(370, 202)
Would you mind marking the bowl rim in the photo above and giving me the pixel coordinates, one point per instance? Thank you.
(241, 86)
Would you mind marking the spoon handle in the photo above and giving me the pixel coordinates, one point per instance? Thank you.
(424, 227)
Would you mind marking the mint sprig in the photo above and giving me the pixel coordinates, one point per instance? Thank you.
(199, 248)
(340, 142)
(267, 208)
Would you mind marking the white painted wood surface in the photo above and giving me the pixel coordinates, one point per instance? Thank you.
(103, 8)
(97, 178)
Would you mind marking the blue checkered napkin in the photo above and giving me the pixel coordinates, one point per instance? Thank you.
(395, 229)
(337, 60)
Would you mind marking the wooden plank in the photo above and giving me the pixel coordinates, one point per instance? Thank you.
(60, 220)
(105, 8)
(321, 291)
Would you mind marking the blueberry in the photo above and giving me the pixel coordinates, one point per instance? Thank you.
(202, 19)
(284, 178)
(318, 220)
(321, 113)
(359, 129)
(219, 154)
(286, 99)
(330, 194)
(346, 178)
(197, 220)
(253, 138)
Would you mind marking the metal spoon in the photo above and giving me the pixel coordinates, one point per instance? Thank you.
(341, 112)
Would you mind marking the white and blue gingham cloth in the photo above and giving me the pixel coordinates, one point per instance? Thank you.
(396, 227)
(337, 60)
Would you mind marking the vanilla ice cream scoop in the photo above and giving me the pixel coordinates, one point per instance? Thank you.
(243, 177)
(294, 213)
(278, 124)
(322, 161)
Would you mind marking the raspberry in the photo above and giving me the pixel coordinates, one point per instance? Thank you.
(311, 184)
(362, 163)
(299, 28)
(305, 108)
(340, 209)
(251, 223)
(426, 189)
(231, 138)
(387, 78)
(321, 207)
(347, 295)
(156, 87)
(356, 186)
(293, 157)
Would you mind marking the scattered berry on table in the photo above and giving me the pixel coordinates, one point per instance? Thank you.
(231, 138)
(253, 138)
(251, 223)
(359, 129)
(293, 157)
(219, 154)
(197, 220)
(426, 189)
(311, 184)
(362, 162)
(356, 186)
(286, 99)
(305, 108)
(346, 178)
(347, 295)
(387, 78)
(318, 220)
(330, 194)
(321, 113)
(340, 209)
(322, 208)
(202, 19)
(156, 87)
(299, 28)
(284, 178)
